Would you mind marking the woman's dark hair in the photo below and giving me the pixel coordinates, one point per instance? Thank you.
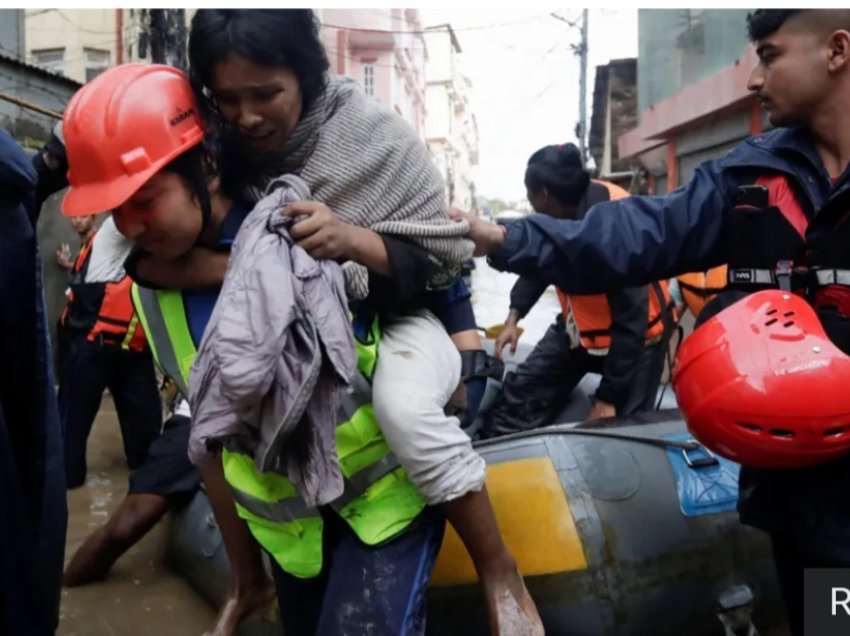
(560, 170)
(287, 38)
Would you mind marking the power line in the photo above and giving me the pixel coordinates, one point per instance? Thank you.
(444, 28)
(83, 29)
(32, 14)
(514, 104)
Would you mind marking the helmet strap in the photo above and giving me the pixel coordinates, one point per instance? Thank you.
(199, 182)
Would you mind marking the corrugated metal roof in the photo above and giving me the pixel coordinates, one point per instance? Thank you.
(38, 70)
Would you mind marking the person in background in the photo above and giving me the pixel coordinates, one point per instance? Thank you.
(106, 348)
(85, 227)
(622, 335)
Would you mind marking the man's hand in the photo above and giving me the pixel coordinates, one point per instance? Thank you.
(601, 410)
(487, 237)
(321, 234)
(508, 335)
(64, 258)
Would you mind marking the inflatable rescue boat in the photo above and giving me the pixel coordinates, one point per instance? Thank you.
(623, 527)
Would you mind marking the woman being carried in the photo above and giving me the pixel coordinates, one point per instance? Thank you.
(379, 209)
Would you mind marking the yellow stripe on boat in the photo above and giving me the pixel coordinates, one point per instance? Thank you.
(535, 520)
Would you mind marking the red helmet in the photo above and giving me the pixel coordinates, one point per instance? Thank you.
(122, 128)
(761, 384)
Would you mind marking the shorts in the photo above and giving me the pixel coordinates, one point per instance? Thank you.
(166, 469)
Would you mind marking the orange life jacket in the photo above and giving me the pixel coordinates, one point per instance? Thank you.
(103, 311)
(592, 313)
(698, 288)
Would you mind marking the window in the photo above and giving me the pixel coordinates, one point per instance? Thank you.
(97, 61)
(369, 79)
(51, 59)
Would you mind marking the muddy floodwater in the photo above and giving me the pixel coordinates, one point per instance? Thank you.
(143, 596)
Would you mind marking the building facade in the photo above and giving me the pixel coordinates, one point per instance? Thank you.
(451, 129)
(76, 43)
(693, 101)
(614, 112)
(384, 50)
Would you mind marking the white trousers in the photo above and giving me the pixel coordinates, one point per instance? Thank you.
(418, 369)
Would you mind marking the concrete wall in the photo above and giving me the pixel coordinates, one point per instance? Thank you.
(73, 30)
(12, 34)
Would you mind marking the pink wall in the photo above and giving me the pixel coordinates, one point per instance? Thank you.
(369, 39)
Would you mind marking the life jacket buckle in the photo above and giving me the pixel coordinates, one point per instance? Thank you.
(784, 270)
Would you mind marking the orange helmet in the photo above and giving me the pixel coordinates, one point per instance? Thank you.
(122, 128)
(761, 384)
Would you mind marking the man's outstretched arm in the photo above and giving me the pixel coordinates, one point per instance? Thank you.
(629, 242)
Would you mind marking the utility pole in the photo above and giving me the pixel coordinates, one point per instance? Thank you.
(582, 83)
(166, 33)
(580, 50)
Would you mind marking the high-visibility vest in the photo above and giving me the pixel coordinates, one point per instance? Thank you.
(592, 315)
(378, 501)
(103, 311)
(698, 288)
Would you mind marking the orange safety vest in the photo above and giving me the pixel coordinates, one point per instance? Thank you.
(592, 314)
(104, 311)
(698, 288)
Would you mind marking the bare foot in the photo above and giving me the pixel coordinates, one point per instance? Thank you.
(510, 608)
(239, 604)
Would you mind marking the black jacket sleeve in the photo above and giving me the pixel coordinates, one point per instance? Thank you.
(18, 177)
(630, 241)
(525, 294)
(629, 322)
(411, 269)
(50, 180)
(131, 266)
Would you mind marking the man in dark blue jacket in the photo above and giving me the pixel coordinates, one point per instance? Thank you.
(33, 512)
(786, 227)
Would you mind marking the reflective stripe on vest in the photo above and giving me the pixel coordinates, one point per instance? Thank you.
(592, 316)
(116, 322)
(833, 277)
(163, 318)
(280, 521)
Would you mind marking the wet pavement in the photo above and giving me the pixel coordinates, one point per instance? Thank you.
(491, 291)
(142, 596)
